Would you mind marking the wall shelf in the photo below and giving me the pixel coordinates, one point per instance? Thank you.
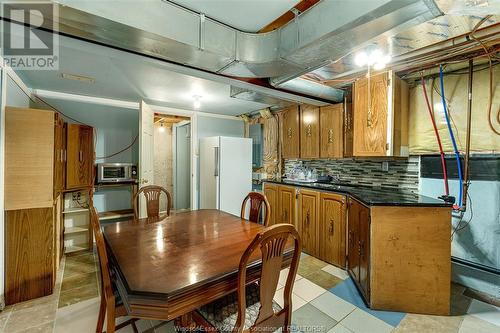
(75, 230)
(75, 210)
(75, 248)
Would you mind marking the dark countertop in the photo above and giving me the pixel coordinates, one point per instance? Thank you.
(371, 196)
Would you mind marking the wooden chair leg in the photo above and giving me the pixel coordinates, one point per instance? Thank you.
(110, 325)
(102, 314)
(134, 327)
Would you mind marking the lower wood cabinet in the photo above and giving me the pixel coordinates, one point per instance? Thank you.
(332, 228)
(308, 220)
(358, 260)
(320, 219)
(29, 254)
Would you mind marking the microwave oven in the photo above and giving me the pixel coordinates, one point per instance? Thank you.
(116, 172)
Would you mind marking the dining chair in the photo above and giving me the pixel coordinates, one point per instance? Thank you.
(111, 304)
(252, 307)
(256, 201)
(152, 194)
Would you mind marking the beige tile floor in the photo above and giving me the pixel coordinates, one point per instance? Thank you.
(74, 306)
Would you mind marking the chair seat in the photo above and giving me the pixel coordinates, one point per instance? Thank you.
(222, 313)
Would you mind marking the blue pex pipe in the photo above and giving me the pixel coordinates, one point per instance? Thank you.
(457, 153)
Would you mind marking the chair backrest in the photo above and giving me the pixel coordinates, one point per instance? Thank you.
(152, 194)
(256, 201)
(101, 252)
(272, 242)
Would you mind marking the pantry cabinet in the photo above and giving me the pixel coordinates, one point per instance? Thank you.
(79, 156)
(358, 260)
(307, 223)
(309, 131)
(332, 228)
(59, 154)
(380, 116)
(290, 141)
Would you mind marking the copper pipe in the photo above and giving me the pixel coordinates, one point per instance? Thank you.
(467, 140)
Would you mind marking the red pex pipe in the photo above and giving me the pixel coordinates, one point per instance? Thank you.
(438, 138)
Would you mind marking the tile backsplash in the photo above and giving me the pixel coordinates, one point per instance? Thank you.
(402, 174)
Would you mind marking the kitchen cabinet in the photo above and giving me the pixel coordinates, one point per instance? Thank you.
(309, 131)
(332, 228)
(271, 193)
(331, 131)
(308, 202)
(79, 156)
(59, 154)
(286, 205)
(358, 260)
(380, 116)
(290, 141)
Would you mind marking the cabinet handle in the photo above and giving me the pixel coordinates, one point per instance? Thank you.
(330, 136)
(285, 216)
(289, 132)
(308, 218)
(65, 154)
(369, 120)
(61, 155)
(309, 130)
(80, 158)
(331, 227)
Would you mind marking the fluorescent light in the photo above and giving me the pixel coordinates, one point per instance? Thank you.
(80, 78)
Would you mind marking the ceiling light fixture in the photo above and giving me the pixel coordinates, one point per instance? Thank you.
(197, 102)
(80, 78)
(376, 59)
(162, 128)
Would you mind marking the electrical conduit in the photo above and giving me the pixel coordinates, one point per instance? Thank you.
(438, 138)
(452, 137)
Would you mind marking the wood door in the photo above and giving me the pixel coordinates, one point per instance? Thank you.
(59, 151)
(309, 131)
(79, 156)
(290, 143)
(331, 133)
(308, 220)
(286, 204)
(29, 266)
(332, 223)
(271, 193)
(370, 116)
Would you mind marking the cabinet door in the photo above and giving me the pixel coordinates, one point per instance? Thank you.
(286, 203)
(370, 116)
(309, 131)
(331, 224)
(308, 220)
(364, 251)
(353, 239)
(290, 136)
(59, 164)
(331, 134)
(271, 193)
(80, 151)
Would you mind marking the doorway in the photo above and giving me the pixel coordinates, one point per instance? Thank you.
(172, 159)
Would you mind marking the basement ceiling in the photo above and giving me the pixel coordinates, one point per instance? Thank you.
(244, 15)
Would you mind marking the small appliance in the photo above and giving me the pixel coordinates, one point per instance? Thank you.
(116, 173)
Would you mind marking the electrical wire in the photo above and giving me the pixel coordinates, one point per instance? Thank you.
(452, 137)
(121, 151)
(459, 227)
(438, 138)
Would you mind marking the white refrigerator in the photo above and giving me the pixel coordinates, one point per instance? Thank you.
(225, 173)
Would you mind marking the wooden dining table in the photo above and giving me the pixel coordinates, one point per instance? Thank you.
(165, 268)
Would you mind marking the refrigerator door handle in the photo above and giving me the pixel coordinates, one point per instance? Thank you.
(216, 166)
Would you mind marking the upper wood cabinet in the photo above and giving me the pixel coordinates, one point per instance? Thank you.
(80, 156)
(332, 228)
(29, 158)
(380, 116)
(309, 131)
(271, 193)
(331, 133)
(290, 143)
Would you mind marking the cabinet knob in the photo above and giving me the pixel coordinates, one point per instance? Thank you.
(309, 130)
(289, 132)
